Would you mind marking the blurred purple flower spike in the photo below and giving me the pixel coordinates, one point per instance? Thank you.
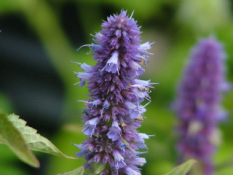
(114, 113)
(198, 103)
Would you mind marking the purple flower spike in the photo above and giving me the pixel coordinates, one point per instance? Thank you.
(114, 112)
(198, 103)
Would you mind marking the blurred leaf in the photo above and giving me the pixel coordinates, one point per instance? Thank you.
(5, 103)
(227, 163)
(97, 167)
(204, 16)
(182, 169)
(11, 169)
(159, 167)
(8, 6)
(144, 9)
(78, 171)
(8, 162)
(226, 171)
(224, 154)
(69, 133)
(34, 140)
(10, 136)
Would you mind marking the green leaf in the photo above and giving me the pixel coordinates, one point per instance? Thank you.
(97, 167)
(78, 171)
(182, 169)
(10, 136)
(35, 141)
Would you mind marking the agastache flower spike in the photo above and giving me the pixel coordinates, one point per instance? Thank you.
(198, 103)
(114, 112)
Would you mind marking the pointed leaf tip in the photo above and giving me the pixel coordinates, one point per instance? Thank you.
(78, 171)
(182, 169)
(21, 139)
(10, 136)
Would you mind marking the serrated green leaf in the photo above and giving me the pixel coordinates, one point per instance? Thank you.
(78, 171)
(182, 169)
(34, 140)
(10, 136)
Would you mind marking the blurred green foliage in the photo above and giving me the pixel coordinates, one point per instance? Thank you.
(175, 26)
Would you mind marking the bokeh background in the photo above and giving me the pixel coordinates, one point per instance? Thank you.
(38, 41)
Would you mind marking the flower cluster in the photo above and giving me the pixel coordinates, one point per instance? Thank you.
(198, 103)
(114, 112)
